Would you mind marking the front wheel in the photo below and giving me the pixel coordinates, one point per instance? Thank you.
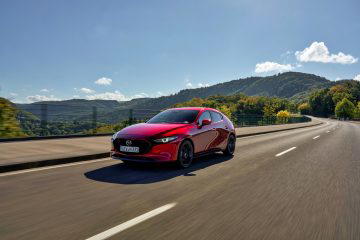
(230, 147)
(185, 154)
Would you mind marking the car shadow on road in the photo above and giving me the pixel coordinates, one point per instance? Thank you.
(151, 173)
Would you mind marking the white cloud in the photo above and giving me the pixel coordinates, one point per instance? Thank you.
(44, 90)
(38, 98)
(189, 85)
(318, 52)
(272, 67)
(108, 96)
(337, 79)
(13, 94)
(286, 54)
(203, 85)
(357, 77)
(86, 90)
(103, 81)
(76, 96)
(140, 95)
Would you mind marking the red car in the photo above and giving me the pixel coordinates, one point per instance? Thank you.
(175, 135)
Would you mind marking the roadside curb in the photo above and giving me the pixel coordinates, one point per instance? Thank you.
(21, 139)
(65, 160)
(51, 162)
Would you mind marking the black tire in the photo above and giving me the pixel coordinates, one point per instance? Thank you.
(230, 147)
(185, 154)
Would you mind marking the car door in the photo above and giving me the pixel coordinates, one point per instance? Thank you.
(205, 135)
(219, 126)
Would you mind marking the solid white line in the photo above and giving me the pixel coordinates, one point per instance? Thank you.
(50, 167)
(286, 151)
(123, 226)
(316, 137)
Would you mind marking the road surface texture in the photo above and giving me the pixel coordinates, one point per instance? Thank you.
(298, 184)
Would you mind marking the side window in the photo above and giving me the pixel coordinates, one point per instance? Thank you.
(216, 117)
(204, 115)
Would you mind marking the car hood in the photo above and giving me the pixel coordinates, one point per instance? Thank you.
(149, 129)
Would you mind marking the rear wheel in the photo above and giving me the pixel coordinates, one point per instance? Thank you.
(185, 154)
(230, 147)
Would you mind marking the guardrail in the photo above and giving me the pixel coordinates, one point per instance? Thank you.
(47, 121)
(63, 120)
(243, 120)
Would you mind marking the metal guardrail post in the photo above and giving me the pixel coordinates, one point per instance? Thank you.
(94, 119)
(43, 119)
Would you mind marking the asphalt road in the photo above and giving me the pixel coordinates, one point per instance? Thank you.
(299, 184)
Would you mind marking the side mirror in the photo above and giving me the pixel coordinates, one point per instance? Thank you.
(205, 122)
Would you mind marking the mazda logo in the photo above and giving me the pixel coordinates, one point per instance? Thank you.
(128, 142)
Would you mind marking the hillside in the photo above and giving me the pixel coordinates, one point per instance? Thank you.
(285, 85)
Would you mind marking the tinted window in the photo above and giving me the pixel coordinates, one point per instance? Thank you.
(175, 116)
(205, 115)
(216, 117)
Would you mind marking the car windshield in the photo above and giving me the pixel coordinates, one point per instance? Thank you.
(175, 116)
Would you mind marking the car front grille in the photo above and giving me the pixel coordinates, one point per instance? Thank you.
(144, 145)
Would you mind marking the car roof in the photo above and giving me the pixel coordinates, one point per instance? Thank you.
(194, 108)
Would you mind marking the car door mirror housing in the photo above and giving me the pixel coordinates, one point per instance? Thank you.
(205, 122)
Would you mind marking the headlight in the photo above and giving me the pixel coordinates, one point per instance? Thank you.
(165, 140)
(114, 136)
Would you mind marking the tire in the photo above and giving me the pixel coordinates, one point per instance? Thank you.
(230, 147)
(185, 154)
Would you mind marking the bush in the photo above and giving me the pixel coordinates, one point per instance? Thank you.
(283, 116)
(345, 109)
(304, 108)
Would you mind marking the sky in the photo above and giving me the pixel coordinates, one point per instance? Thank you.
(57, 50)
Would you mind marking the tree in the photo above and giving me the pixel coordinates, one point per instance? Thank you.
(269, 110)
(357, 111)
(225, 110)
(304, 108)
(9, 126)
(345, 109)
(321, 103)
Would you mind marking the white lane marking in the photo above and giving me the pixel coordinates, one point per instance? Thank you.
(123, 226)
(286, 151)
(316, 137)
(50, 167)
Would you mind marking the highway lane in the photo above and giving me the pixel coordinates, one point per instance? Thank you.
(309, 192)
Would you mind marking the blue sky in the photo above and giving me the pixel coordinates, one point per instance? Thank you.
(60, 49)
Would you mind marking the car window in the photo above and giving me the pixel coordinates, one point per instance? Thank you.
(205, 115)
(216, 117)
(175, 116)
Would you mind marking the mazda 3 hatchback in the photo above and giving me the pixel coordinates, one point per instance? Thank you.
(175, 135)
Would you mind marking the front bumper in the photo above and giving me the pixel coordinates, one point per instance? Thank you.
(166, 152)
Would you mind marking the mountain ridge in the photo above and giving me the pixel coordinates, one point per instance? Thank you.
(283, 85)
